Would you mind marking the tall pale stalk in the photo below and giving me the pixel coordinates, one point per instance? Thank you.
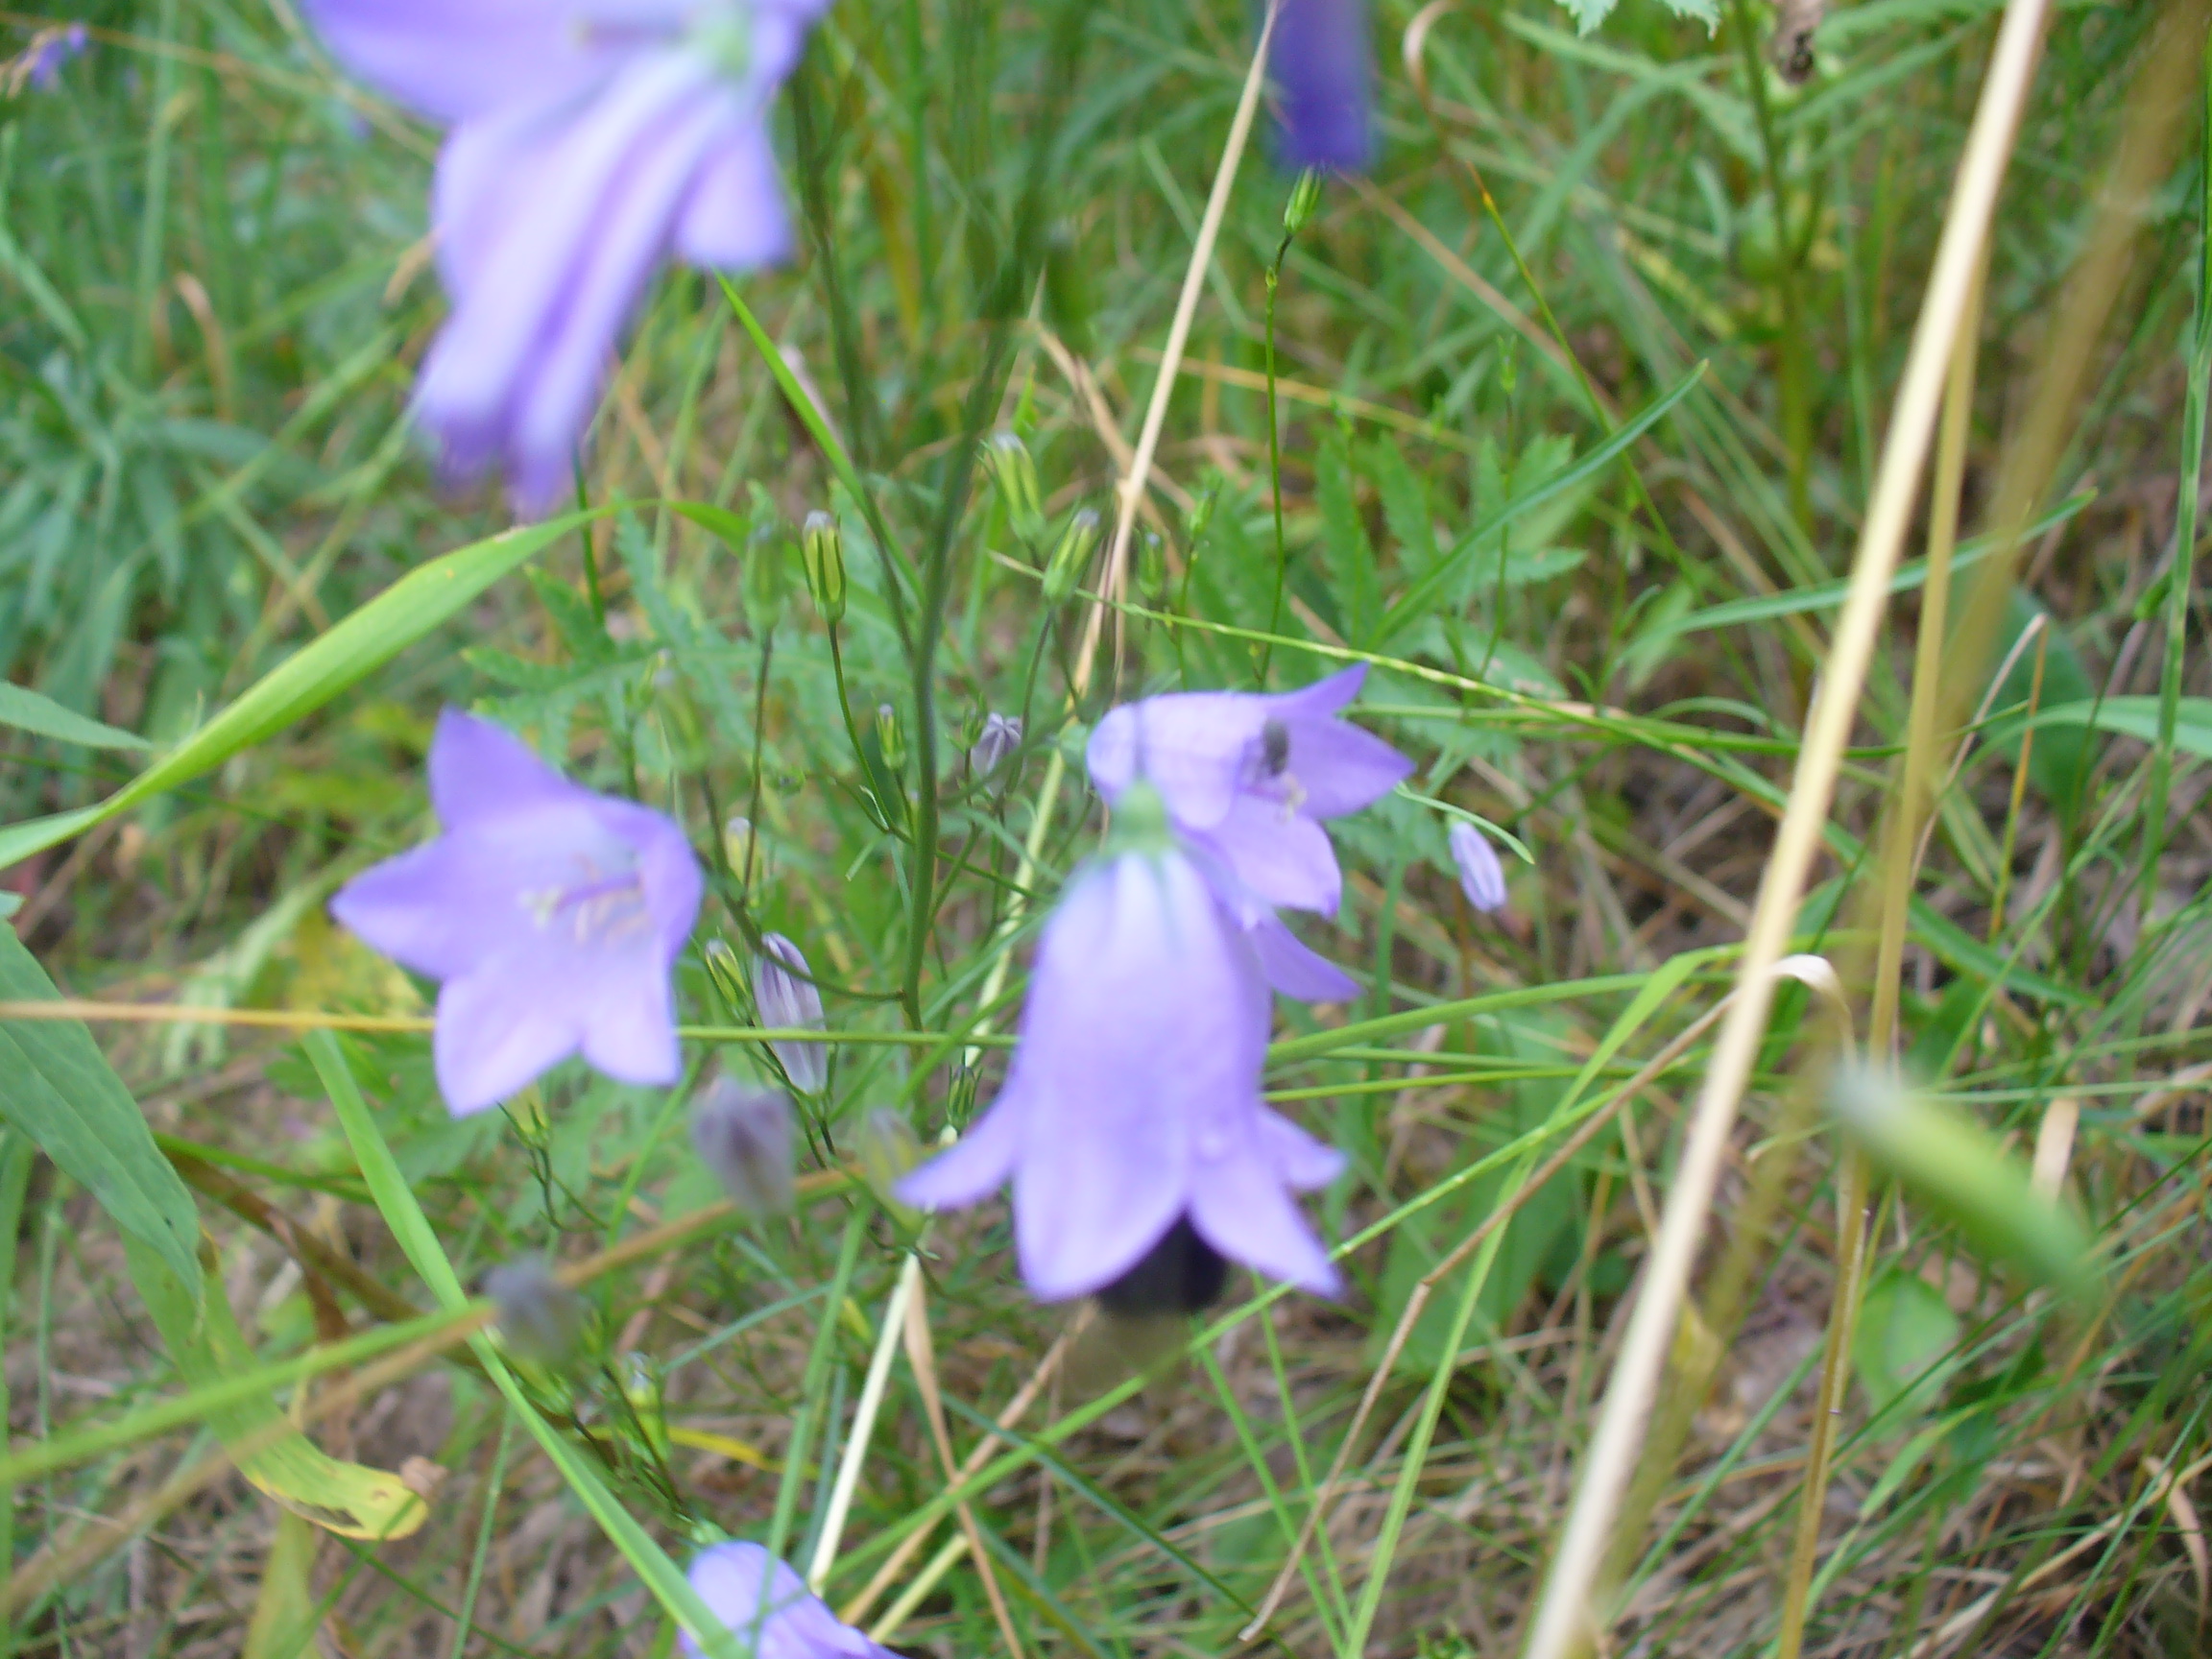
(1566, 1619)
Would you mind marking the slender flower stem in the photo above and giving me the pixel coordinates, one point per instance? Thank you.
(1566, 1617)
(1274, 463)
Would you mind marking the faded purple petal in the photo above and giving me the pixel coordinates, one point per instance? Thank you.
(975, 1167)
(1321, 63)
(454, 59)
(552, 915)
(1480, 875)
(1341, 768)
(1305, 1163)
(769, 1609)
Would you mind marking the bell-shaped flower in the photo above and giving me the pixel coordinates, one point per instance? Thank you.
(1133, 1101)
(770, 1611)
(591, 140)
(1481, 878)
(552, 915)
(1248, 777)
(784, 993)
(1321, 63)
(743, 1134)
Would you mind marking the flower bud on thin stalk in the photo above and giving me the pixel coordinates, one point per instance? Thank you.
(1071, 556)
(822, 546)
(1304, 198)
(1481, 878)
(1014, 473)
(1000, 736)
(743, 1134)
(539, 1318)
(891, 737)
(786, 996)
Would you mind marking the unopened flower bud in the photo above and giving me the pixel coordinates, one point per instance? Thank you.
(1015, 474)
(1151, 565)
(738, 844)
(1480, 875)
(743, 1134)
(645, 1389)
(723, 968)
(1001, 735)
(1071, 556)
(891, 737)
(960, 1093)
(784, 994)
(822, 546)
(539, 1318)
(1304, 198)
(887, 1148)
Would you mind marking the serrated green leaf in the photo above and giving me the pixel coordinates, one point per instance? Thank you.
(27, 711)
(58, 1091)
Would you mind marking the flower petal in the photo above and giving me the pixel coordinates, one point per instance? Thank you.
(497, 1034)
(1283, 858)
(975, 1167)
(1240, 1205)
(453, 58)
(1342, 768)
(481, 770)
(1319, 60)
(1296, 970)
(436, 908)
(735, 218)
(1190, 746)
(630, 1026)
(1304, 1163)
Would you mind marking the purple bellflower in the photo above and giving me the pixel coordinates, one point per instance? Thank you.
(1481, 878)
(770, 1610)
(1320, 59)
(1131, 1120)
(591, 140)
(1247, 779)
(552, 915)
(787, 998)
(41, 65)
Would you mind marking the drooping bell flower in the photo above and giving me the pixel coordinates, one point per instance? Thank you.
(743, 1134)
(787, 998)
(39, 67)
(591, 140)
(1132, 1106)
(1323, 69)
(1481, 878)
(1248, 777)
(552, 915)
(768, 1608)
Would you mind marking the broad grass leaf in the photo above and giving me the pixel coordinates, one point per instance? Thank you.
(1903, 1349)
(411, 607)
(56, 1089)
(26, 711)
(207, 1346)
(284, 1611)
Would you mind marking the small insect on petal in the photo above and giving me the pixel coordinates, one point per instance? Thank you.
(743, 1134)
(1481, 878)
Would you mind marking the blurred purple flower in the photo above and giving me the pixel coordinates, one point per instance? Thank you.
(41, 62)
(591, 140)
(787, 999)
(1480, 875)
(770, 1610)
(1133, 1101)
(1322, 69)
(1000, 736)
(1247, 779)
(552, 915)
